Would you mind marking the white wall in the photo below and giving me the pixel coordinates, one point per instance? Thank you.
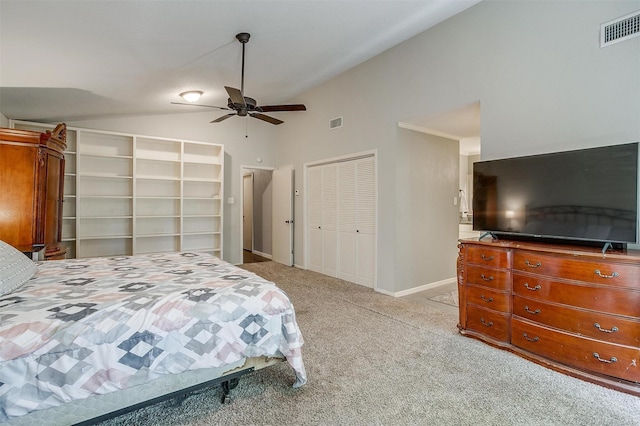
(4, 121)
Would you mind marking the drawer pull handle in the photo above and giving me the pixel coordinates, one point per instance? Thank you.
(488, 324)
(613, 275)
(486, 299)
(485, 278)
(487, 258)
(537, 265)
(606, 361)
(536, 288)
(604, 330)
(536, 312)
(531, 339)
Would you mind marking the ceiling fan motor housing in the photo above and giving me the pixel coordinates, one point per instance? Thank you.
(250, 106)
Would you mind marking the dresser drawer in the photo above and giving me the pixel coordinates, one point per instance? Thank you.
(495, 278)
(482, 296)
(491, 257)
(607, 273)
(578, 352)
(490, 323)
(598, 298)
(608, 328)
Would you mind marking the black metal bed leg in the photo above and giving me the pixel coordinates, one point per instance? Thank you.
(227, 386)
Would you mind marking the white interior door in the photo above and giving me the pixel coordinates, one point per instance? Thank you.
(247, 212)
(282, 237)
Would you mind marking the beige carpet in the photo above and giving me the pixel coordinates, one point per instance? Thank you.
(377, 360)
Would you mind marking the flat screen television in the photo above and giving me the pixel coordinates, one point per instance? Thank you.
(587, 196)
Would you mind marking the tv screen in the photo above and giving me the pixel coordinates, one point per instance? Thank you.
(583, 195)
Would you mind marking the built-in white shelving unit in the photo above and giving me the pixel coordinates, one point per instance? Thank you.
(130, 194)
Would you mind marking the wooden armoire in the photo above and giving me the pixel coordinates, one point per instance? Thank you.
(31, 191)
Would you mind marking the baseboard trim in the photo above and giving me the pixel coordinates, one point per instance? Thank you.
(259, 253)
(418, 289)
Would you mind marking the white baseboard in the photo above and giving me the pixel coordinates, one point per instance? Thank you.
(418, 289)
(265, 255)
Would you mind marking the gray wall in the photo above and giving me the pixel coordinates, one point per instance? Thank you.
(426, 218)
(543, 82)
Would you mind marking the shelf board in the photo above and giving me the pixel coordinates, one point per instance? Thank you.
(103, 176)
(166, 160)
(68, 218)
(209, 180)
(157, 216)
(202, 233)
(215, 162)
(105, 217)
(89, 154)
(104, 237)
(202, 215)
(157, 235)
(201, 198)
(170, 178)
(106, 196)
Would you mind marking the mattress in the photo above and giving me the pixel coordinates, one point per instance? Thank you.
(87, 327)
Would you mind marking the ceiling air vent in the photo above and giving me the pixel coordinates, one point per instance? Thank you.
(620, 29)
(335, 123)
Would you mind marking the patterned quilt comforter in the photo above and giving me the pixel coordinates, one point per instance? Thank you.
(92, 326)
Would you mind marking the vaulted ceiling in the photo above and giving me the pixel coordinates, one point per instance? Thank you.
(92, 59)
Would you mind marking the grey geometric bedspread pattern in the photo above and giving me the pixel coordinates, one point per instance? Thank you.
(91, 326)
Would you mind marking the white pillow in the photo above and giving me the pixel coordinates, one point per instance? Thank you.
(15, 268)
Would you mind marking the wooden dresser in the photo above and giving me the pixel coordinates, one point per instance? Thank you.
(572, 309)
(32, 181)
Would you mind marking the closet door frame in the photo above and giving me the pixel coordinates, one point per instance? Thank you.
(327, 161)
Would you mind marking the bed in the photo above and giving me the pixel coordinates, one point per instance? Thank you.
(82, 339)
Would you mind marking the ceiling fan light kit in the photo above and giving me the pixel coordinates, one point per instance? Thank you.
(239, 103)
(191, 95)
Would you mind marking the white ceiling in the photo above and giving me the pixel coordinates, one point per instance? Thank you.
(86, 59)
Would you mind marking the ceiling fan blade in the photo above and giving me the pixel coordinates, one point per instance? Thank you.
(224, 117)
(200, 105)
(266, 118)
(275, 108)
(235, 95)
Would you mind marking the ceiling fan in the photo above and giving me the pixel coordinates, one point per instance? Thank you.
(244, 105)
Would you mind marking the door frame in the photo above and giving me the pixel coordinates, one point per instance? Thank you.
(305, 211)
(248, 175)
(243, 170)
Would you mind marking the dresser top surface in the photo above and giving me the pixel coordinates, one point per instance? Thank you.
(592, 253)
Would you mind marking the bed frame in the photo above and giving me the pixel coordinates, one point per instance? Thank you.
(99, 408)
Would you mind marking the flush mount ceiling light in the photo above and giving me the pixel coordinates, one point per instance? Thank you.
(191, 95)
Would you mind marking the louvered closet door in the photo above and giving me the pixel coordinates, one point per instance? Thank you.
(366, 221)
(314, 227)
(347, 243)
(330, 220)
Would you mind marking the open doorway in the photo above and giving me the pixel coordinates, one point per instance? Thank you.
(266, 229)
(462, 126)
(256, 210)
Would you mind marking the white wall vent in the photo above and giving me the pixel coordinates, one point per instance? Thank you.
(335, 123)
(620, 29)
